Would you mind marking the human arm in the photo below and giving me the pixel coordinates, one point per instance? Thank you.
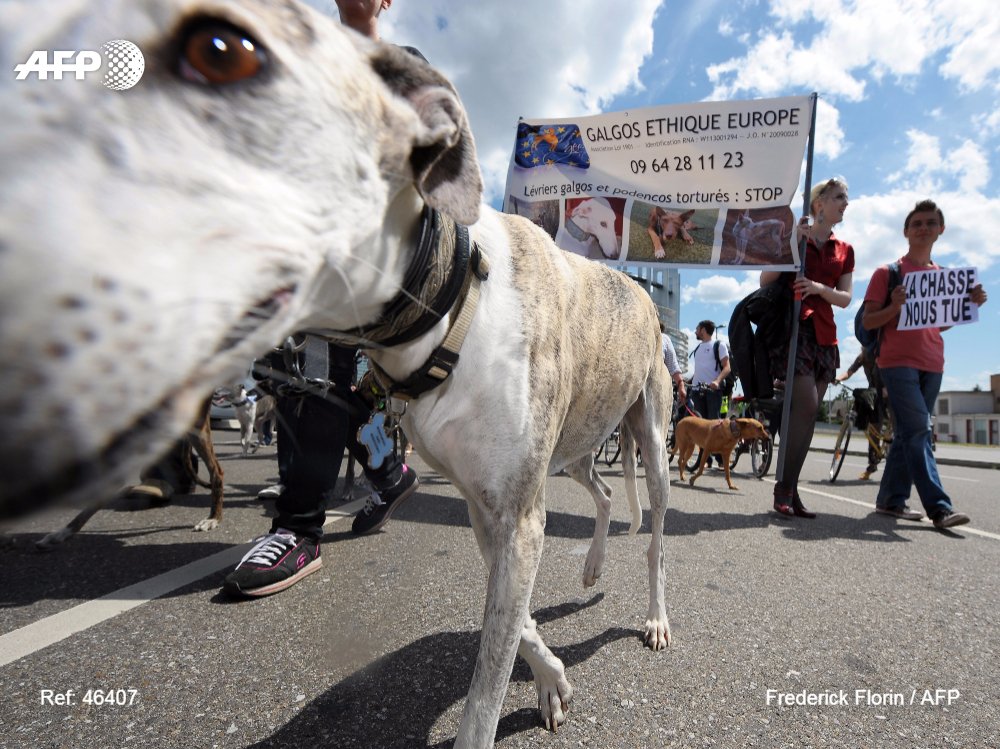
(670, 360)
(838, 296)
(769, 276)
(855, 366)
(875, 316)
(717, 382)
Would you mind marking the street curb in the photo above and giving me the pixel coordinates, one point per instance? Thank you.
(940, 461)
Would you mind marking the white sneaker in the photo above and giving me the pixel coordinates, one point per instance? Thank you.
(271, 492)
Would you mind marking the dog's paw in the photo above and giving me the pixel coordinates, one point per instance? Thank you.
(659, 254)
(553, 701)
(658, 634)
(593, 567)
(208, 524)
(52, 540)
(691, 480)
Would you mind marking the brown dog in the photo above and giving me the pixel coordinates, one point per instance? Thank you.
(199, 436)
(666, 225)
(715, 437)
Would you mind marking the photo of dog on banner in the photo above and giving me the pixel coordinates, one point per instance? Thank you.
(671, 235)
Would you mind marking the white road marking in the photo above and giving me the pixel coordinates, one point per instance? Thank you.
(52, 629)
(870, 506)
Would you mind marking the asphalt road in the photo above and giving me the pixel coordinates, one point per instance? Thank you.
(895, 623)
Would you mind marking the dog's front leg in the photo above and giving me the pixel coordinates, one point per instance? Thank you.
(201, 441)
(658, 252)
(726, 460)
(554, 692)
(511, 542)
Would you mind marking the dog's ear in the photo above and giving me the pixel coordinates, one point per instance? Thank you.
(445, 168)
(734, 427)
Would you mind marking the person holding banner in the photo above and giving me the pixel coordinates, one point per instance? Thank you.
(912, 365)
(826, 280)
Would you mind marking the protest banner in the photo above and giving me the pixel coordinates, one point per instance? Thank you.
(698, 185)
(938, 298)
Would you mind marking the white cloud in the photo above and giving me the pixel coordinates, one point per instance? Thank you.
(874, 225)
(726, 290)
(565, 57)
(876, 38)
(972, 35)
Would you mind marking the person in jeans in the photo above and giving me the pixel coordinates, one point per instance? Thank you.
(912, 364)
(314, 431)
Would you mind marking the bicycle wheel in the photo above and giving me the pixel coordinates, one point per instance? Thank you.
(840, 448)
(612, 448)
(761, 452)
(600, 451)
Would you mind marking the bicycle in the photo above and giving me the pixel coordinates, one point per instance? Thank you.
(761, 450)
(878, 435)
(612, 447)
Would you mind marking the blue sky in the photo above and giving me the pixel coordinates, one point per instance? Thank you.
(909, 108)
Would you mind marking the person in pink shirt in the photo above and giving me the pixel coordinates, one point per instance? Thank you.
(912, 365)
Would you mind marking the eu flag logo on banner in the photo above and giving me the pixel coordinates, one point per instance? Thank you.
(546, 145)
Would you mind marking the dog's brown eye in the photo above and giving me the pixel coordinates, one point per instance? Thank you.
(219, 53)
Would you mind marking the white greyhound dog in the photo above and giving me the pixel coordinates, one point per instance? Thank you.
(589, 226)
(267, 132)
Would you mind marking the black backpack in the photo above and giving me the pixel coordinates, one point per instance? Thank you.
(872, 339)
(729, 381)
(769, 308)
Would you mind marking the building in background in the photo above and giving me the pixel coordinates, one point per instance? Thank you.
(971, 416)
(664, 287)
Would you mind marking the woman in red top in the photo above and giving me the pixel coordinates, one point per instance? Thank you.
(828, 265)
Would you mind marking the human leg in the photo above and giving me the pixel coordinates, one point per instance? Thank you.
(911, 462)
(393, 481)
(806, 396)
(315, 432)
(286, 411)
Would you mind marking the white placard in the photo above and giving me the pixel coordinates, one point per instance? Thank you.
(938, 299)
